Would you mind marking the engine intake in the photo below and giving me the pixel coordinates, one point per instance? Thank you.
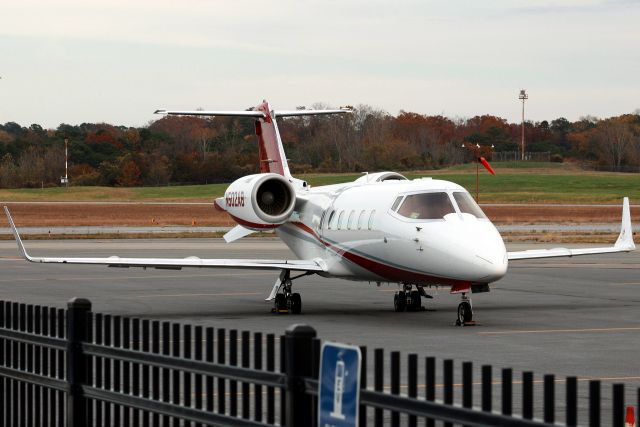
(273, 198)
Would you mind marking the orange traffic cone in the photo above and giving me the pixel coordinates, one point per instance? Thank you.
(630, 420)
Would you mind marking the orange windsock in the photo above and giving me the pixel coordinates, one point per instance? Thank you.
(486, 165)
(630, 420)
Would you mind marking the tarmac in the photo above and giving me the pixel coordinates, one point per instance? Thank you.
(567, 316)
(97, 230)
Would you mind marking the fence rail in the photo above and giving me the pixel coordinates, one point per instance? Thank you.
(516, 156)
(77, 368)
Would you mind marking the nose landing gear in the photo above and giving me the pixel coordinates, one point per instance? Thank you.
(465, 312)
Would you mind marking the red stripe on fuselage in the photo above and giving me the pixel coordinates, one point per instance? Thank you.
(384, 270)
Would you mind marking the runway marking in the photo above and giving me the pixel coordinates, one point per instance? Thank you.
(221, 294)
(624, 284)
(554, 331)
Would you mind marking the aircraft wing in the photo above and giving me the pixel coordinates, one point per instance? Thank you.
(169, 263)
(623, 244)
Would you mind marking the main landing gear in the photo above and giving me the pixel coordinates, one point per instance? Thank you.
(285, 301)
(409, 300)
(465, 312)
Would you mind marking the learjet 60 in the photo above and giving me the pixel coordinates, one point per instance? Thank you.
(380, 228)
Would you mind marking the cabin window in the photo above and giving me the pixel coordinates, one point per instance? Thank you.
(426, 206)
(330, 220)
(396, 203)
(350, 220)
(361, 220)
(371, 216)
(466, 204)
(340, 220)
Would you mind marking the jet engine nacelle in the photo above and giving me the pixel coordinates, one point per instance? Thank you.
(260, 201)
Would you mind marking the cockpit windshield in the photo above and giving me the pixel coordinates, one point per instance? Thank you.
(426, 206)
(466, 204)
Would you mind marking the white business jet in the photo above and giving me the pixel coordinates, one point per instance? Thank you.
(381, 228)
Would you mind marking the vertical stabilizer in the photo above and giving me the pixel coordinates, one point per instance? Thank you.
(272, 157)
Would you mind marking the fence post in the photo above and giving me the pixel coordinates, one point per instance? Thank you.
(77, 332)
(299, 364)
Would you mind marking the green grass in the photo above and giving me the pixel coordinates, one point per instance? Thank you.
(539, 182)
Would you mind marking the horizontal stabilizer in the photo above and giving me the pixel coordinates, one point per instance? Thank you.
(253, 113)
(211, 113)
(292, 113)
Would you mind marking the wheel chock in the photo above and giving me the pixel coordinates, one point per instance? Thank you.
(471, 323)
(277, 311)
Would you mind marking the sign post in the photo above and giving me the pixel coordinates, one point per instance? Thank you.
(339, 388)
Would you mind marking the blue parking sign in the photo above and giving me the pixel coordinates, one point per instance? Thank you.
(339, 389)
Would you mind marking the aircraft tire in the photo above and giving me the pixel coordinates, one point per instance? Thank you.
(399, 302)
(281, 302)
(465, 313)
(416, 302)
(295, 303)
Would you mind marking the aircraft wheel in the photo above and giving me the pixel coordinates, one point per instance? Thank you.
(295, 303)
(280, 302)
(416, 302)
(465, 313)
(399, 301)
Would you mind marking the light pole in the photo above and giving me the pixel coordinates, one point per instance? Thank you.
(65, 180)
(523, 96)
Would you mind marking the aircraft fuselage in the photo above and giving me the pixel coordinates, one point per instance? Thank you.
(364, 231)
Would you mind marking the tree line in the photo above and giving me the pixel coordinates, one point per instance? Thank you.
(181, 150)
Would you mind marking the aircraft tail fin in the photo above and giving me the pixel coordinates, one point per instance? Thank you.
(270, 148)
(272, 156)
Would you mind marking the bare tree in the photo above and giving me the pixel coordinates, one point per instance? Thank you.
(614, 139)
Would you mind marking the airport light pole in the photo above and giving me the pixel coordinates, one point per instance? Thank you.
(65, 180)
(523, 96)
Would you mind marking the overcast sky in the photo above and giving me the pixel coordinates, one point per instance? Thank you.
(116, 61)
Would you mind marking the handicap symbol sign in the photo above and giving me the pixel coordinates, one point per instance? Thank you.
(339, 385)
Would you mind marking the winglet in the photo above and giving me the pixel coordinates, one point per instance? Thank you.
(625, 239)
(21, 247)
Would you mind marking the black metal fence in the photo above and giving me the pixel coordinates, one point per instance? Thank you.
(77, 368)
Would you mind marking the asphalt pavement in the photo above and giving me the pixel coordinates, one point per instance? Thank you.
(571, 317)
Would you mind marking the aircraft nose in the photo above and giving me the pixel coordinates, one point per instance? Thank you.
(491, 255)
